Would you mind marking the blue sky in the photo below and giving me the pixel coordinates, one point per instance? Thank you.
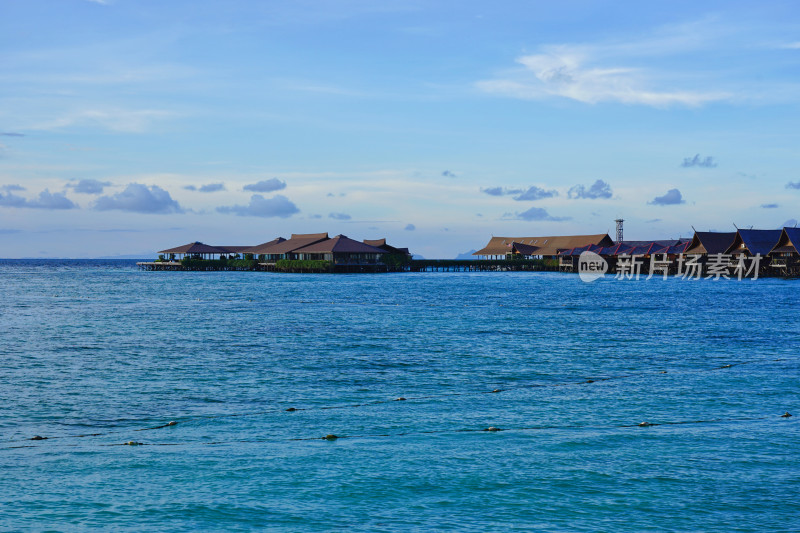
(128, 126)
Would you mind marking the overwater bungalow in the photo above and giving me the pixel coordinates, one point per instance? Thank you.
(526, 251)
(285, 248)
(785, 255)
(263, 248)
(568, 259)
(677, 249)
(195, 250)
(615, 250)
(341, 250)
(538, 247)
(383, 245)
(236, 250)
(752, 242)
(705, 243)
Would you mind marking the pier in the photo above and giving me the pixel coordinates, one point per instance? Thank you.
(414, 265)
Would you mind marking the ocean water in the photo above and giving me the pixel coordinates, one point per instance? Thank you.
(95, 354)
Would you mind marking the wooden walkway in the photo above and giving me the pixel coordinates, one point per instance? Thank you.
(416, 265)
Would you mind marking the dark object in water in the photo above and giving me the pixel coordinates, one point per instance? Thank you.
(39, 437)
(330, 436)
(492, 428)
(787, 414)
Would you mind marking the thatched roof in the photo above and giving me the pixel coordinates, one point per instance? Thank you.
(789, 241)
(710, 242)
(544, 245)
(339, 244)
(754, 241)
(195, 248)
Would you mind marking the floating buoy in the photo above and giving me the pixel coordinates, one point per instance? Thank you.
(492, 428)
(400, 399)
(787, 414)
(589, 381)
(644, 424)
(497, 390)
(663, 372)
(291, 409)
(726, 366)
(172, 423)
(330, 436)
(39, 437)
(133, 443)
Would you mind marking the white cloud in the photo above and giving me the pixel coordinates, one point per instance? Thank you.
(672, 197)
(567, 73)
(120, 120)
(661, 69)
(46, 200)
(90, 186)
(277, 206)
(270, 185)
(599, 189)
(138, 198)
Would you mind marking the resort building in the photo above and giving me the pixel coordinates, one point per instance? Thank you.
(785, 255)
(752, 242)
(341, 250)
(286, 248)
(381, 243)
(538, 247)
(261, 249)
(662, 250)
(706, 243)
(196, 250)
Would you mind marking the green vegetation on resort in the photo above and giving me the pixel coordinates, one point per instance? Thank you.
(302, 265)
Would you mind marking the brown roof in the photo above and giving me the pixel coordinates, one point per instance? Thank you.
(340, 244)
(310, 235)
(381, 243)
(544, 245)
(195, 248)
(298, 240)
(259, 249)
(236, 249)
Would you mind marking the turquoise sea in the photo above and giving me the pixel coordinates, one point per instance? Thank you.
(96, 354)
